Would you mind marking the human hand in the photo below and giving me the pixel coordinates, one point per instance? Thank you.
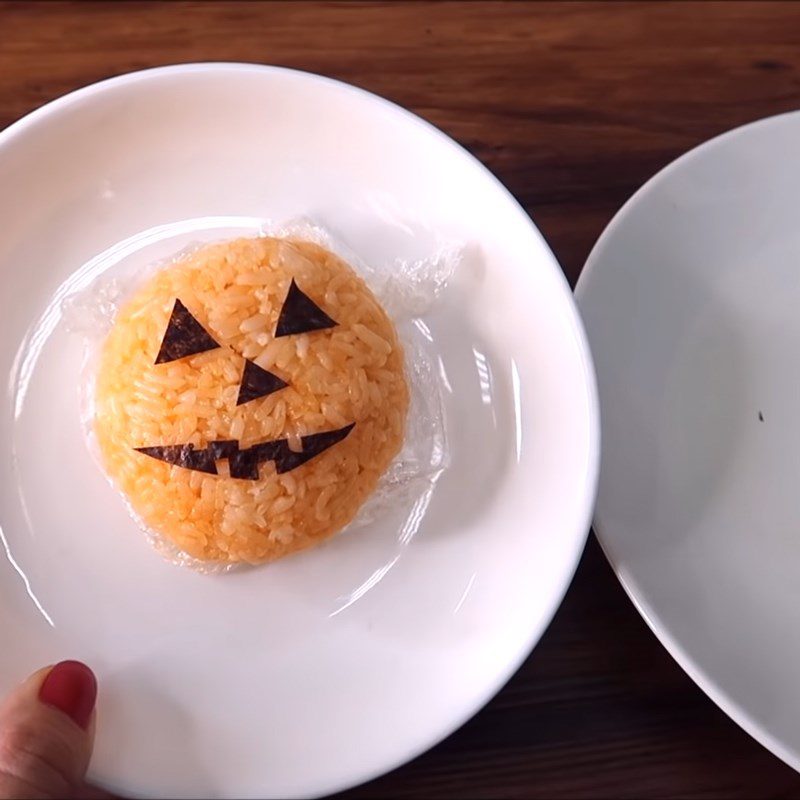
(47, 733)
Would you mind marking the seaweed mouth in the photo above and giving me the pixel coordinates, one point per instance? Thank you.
(244, 464)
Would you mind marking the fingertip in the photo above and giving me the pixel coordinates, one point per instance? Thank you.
(71, 687)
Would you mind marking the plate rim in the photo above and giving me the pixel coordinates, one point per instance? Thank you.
(586, 483)
(633, 590)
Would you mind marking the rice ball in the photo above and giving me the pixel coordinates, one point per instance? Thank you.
(248, 399)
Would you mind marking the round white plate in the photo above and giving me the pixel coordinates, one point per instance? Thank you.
(691, 299)
(330, 667)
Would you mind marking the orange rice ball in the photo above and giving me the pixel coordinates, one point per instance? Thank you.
(249, 397)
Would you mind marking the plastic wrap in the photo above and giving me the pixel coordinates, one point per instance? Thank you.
(407, 290)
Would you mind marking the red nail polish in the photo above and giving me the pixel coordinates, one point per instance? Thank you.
(72, 688)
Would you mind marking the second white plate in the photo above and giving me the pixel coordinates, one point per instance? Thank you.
(691, 299)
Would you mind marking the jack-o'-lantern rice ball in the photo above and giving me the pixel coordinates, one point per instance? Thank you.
(249, 397)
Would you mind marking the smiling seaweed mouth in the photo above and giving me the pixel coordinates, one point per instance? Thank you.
(244, 463)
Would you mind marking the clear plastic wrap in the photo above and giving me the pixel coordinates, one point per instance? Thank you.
(407, 290)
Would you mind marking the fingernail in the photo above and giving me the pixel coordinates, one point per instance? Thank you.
(71, 687)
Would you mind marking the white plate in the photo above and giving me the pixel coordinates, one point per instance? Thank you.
(331, 667)
(691, 300)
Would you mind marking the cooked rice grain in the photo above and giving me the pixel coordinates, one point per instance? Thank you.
(351, 373)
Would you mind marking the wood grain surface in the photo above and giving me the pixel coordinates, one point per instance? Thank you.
(573, 105)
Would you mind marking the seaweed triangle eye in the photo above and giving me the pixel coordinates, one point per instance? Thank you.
(300, 314)
(184, 336)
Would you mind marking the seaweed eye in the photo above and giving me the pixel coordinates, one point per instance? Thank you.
(257, 382)
(300, 314)
(184, 336)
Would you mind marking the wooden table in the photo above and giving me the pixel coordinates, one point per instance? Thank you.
(573, 105)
